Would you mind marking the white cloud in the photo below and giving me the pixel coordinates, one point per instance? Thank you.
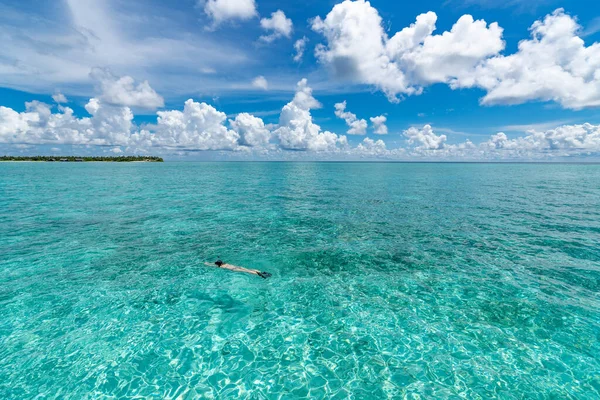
(357, 126)
(123, 91)
(199, 127)
(278, 24)
(224, 10)
(563, 140)
(251, 130)
(379, 126)
(110, 124)
(300, 46)
(297, 131)
(116, 150)
(359, 49)
(356, 49)
(12, 124)
(260, 82)
(554, 65)
(425, 138)
(147, 41)
(428, 58)
(425, 144)
(372, 147)
(59, 98)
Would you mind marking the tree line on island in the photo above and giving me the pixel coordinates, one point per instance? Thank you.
(83, 159)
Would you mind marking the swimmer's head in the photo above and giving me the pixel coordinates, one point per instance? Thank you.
(219, 263)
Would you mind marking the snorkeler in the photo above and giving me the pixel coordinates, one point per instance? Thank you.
(221, 264)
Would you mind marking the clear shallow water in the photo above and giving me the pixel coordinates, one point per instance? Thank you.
(389, 281)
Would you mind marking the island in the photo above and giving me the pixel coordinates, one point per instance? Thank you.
(82, 158)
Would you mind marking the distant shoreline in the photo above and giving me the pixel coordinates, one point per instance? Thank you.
(127, 159)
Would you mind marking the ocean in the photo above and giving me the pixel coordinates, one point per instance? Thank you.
(390, 280)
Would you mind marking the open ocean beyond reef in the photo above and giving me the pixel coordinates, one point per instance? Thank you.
(419, 281)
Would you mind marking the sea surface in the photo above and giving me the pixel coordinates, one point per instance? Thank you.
(418, 281)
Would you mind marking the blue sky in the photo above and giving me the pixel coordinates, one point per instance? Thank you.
(212, 53)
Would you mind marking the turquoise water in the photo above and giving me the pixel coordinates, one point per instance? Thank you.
(389, 281)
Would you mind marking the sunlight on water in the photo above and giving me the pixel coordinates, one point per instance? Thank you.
(389, 281)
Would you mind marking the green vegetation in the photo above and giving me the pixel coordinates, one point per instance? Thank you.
(82, 159)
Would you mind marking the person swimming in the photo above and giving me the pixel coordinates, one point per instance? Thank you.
(234, 268)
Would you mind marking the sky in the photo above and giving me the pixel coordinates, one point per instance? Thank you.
(465, 80)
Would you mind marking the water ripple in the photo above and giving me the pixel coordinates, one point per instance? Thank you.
(389, 281)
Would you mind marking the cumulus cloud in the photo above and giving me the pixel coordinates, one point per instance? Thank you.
(554, 65)
(59, 98)
(297, 131)
(224, 10)
(379, 126)
(355, 46)
(424, 138)
(357, 126)
(562, 140)
(260, 82)
(372, 147)
(13, 123)
(251, 130)
(199, 126)
(359, 49)
(279, 25)
(123, 91)
(300, 46)
(448, 57)
(108, 125)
